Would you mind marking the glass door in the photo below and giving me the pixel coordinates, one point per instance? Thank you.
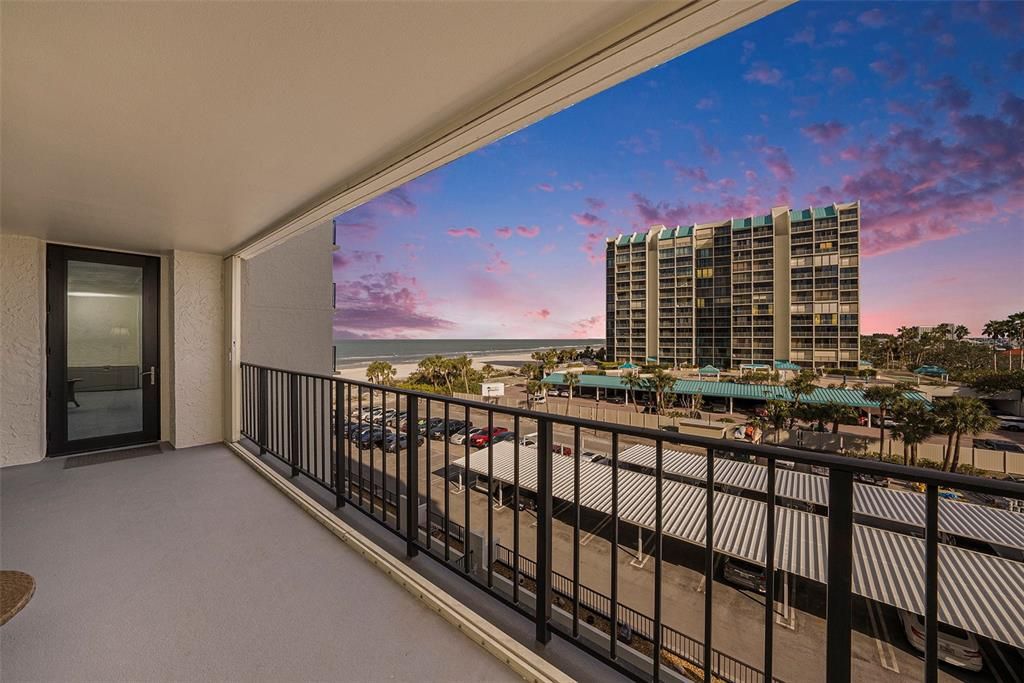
(103, 354)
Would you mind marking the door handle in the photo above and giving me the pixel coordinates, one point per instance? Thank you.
(152, 374)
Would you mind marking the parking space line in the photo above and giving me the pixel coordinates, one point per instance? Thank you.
(880, 634)
(590, 534)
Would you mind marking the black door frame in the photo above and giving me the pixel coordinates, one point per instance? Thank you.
(57, 257)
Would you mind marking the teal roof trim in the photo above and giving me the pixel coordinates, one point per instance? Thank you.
(786, 365)
(623, 240)
(762, 220)
(709, 370)
(801, 215)
(639, 237)
(756, 392)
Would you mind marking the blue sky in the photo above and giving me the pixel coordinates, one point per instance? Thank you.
(916, 109)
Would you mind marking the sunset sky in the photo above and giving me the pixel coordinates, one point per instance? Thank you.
(916, 109)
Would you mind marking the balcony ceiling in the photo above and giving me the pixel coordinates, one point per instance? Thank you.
(150, 126)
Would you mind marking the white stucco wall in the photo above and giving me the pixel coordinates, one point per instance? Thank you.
(197, 373)
(22, 349)
(287, 305)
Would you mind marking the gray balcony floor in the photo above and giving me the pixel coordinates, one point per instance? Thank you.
(186, 565)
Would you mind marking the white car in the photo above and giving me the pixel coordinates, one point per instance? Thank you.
(956, 646)
(459, 437)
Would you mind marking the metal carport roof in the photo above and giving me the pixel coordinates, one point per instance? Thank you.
(991, 525)
(981, 593)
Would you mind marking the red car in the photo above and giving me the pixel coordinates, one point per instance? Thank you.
(480, 440)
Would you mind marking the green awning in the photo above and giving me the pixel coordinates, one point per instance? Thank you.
(756, 392)
(709, 370)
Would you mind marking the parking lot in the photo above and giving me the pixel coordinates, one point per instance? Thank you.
(881, 650)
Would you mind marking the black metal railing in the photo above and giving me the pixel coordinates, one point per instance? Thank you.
(362, 442)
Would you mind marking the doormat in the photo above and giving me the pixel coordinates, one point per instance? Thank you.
(110, 456)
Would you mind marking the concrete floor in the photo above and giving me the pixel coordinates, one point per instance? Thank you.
(186, 565)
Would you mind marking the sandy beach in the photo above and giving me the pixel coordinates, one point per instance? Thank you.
(509, 361)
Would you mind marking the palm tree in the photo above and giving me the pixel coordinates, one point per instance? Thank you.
(533, 387)
(776, 414)
(958, 416)
(800, 386)
(885, 396)
(463, 364)
(571, 380)
(381, 372)
(660, 383)
(837, 413)
(633, 382)
(488, 370)
(915, 424)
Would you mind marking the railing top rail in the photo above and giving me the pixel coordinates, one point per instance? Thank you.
(966, 482)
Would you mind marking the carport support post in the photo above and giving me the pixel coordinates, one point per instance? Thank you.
(542, 612)
(840, 566)
(730, 404)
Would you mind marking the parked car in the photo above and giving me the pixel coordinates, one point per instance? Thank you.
(396, 419)
(617, 400)
(506, 436)
(956, 646)
(718, 408)
(872, 479)
(480, 439)
(459, 437)
(552, 392)
(999, 445)
(424, 424)
(391, 442)
(564, 393)
(367, 437)
(440, 432)
(540, 398)
(744, 574)
(1010, 423)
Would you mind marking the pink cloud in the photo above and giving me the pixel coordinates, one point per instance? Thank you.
(648, 141)
(775, 159)
(824, 133)
(384, 304)
(588, 220)
(496, 262)
(842, 27)
(595, 204)
(412, 250)
(842, 75)
(527, 232)
(470, 232)
(893, 69)
(593, 247)
(705, 103)
(544, 187)
(574, 185)
(764, 74)
(343, 259)
(804, 36)
(588, 328)
(542, 314)
(873, 18)
(503, 233)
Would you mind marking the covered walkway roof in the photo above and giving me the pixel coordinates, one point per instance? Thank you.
(991, 525)
(758, 392)
(980, 593)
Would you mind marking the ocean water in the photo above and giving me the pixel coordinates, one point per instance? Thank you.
(357, 352)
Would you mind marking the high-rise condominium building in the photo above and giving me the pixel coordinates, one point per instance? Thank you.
(784, 286)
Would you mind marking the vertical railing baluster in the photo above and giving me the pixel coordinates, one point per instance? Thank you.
(709, 564)
(339, 434)
(515, 511)
(412, 476)
(264, 400)
(294, 411)
(769, 573)
(931, 584)
(384, 457)
(409, 446)
(490, 500)
(363, 423)
(840, 565)
(373, 463)
(542, 613)
(576, 444)
(447, 484)
(465, 495)
(348, 442)
(427, 475)
(658, 474)
(613, 610)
